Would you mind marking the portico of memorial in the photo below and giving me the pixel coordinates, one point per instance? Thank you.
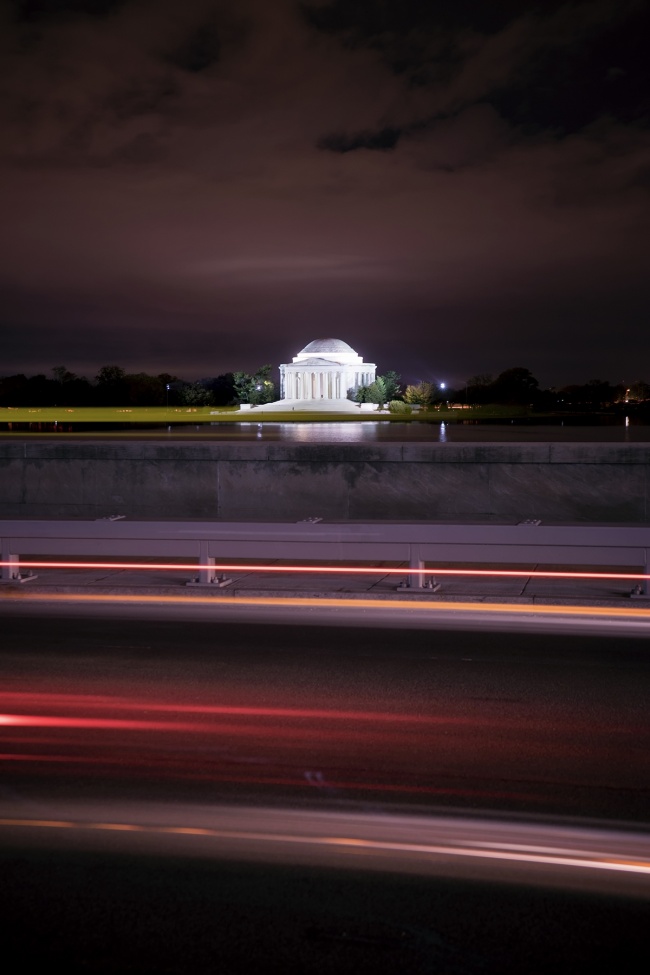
(325, 370)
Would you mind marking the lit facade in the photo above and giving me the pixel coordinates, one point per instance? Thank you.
(325, 370)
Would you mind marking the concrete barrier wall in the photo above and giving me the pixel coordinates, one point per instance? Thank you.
(553, 482)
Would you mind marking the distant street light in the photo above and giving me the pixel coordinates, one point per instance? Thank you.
(167, 389)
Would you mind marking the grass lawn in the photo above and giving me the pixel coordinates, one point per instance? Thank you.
(116, 414)
(231, 414)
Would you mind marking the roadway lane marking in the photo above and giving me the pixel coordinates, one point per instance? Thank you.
(547, 856)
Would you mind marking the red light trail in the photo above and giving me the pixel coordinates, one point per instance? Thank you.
(329, 569)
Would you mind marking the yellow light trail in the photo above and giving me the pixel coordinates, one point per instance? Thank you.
(426, 605)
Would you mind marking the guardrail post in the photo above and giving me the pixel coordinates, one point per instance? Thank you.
(207, 575)
(417, 579)
(640, 591)
(11, 567)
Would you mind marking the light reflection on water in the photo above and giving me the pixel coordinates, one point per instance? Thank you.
(385, 432)
(610, 429)
(366, 432)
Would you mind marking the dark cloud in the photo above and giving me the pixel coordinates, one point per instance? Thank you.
(555, 64)
(199, 50)
(52, 10)
(453, 187)
(386, 138)
(605, 74)
(382, 23)
(141, 96)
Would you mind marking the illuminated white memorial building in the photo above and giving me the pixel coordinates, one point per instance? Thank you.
(325, 370)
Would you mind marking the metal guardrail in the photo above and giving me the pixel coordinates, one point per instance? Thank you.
(208, 543)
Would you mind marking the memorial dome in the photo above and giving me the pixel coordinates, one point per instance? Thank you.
(326, 369)
(326, 345)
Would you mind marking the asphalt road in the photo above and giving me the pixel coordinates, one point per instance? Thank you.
(101, 911)
(551, 722)
(185, 789)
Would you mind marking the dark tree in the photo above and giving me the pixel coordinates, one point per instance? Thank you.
(111, 388)
(515, 386)
(70, 390)
(222, 388)
(194, 394)
(477, 389)
(392, 384)
(256, 388)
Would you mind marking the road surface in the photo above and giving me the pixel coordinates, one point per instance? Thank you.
(550, 721)
(193, 788)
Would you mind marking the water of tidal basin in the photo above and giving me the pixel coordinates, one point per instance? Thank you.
(369, 432)
(617, 429)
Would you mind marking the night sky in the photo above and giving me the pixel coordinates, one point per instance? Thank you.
(452, 187)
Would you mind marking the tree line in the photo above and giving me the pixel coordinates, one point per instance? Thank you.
(518, 386)
(113, 386)
(512, 387)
